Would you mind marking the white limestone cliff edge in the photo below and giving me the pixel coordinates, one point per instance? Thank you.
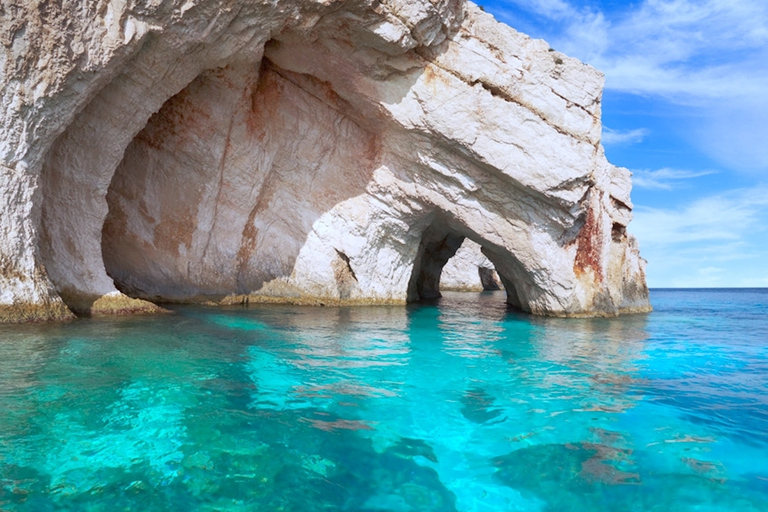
(325, 152)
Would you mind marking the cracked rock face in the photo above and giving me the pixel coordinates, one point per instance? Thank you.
(306, 151)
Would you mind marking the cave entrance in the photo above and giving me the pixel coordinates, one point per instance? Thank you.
(469, 270)
(219, 192)
(449, 261)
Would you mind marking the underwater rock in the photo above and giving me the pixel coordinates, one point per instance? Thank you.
(558, 473)
(319, 152)
(596, 476)
(477, 407)
(406, 447)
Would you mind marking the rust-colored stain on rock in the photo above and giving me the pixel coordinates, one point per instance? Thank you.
(589, 247)
(264, 102)
(176, 230)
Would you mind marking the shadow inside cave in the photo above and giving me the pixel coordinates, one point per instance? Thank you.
(218, 193)
(449, 261)
(220, 190)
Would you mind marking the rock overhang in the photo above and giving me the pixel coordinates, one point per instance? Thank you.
(341, 131)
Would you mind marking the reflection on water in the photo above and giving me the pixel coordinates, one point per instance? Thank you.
(462, 405)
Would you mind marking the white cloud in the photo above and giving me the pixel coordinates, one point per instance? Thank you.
(707, 277)
(664, 179)
(710, 271)
(686, 50)
(553, 9)
(681, 48)
(736, 134)
(691, 244)
(623, 137)
(715, 218)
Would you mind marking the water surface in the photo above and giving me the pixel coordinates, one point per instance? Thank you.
(459, 405)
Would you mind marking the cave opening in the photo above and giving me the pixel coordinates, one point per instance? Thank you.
(470, 270)
(219, 192)
(448, 261)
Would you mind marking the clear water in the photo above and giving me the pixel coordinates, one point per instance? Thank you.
(461, 405)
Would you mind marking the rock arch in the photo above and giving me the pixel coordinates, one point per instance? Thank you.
(442, 250)
(438, 245)
(302, 151)
(469, 270)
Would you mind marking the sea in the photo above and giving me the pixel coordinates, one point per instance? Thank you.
(456, 405)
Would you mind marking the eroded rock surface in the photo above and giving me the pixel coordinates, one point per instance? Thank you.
(308, 151)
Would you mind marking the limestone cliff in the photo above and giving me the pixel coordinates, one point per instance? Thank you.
(324, 151)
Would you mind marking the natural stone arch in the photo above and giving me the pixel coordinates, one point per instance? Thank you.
(76, 174)
(469, 270)
(460, 115)
(442, 239)
(438, 245)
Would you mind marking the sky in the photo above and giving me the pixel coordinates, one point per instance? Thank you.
(685, 108)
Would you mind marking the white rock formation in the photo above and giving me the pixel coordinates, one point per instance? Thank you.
(325, 151)
(469, 270)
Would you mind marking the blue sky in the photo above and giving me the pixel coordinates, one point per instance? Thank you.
(685, 108)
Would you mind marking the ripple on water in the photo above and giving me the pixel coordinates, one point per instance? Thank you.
(459, 405)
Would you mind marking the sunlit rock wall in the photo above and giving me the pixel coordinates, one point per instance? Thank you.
(314, 152)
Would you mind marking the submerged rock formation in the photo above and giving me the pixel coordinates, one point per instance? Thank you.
(325, 151)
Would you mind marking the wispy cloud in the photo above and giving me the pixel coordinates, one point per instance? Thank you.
(616, 137)
(687, 245)
(685, 49)
(716, 218)
(664, 179)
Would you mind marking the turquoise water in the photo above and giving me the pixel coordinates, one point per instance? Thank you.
(460, 405)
